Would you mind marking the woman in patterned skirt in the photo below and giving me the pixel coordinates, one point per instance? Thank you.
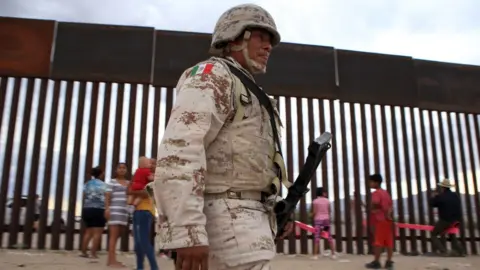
(116, 211)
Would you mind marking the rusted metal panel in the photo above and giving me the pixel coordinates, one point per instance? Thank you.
(157, 92)
(418, 177)
(336, 187)
(464, 172)
(321, 111)
(48, 175)
(358, 218)
(107, 99)
(375, 130)
(376, 78)
(347, 215)
(25, 47)
(3, 95)
(169, 105)
(119, 116)
(437, 155)
(408, 174)
(143, 117)
(32, 185)
(292, 242)
(326, 160)
(301, 160)
(132, 109)
(470, 138)
(106, 53)
(296, 70)
(448, 87)
(74, 176)
(280, 243)
(95, 102)
(426, 163)
(311, 136)
(398, 179)
(443, 146)
(366, 170)
(130, 127)
(175, 52)
(455, 173)
(62, 162)
(386, 159)
(5, 181)
(19, 178)
(118, 125)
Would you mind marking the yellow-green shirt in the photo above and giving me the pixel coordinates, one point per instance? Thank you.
(146, 204)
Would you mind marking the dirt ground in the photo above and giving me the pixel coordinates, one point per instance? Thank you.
(62, 260)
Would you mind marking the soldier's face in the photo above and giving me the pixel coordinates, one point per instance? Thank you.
(260, 46)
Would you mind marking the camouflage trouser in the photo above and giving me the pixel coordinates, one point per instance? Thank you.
(239, 234)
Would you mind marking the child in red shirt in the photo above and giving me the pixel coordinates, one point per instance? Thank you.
(382, 223)
(141, 178)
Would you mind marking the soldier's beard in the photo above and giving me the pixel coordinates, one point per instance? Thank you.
(253, 66)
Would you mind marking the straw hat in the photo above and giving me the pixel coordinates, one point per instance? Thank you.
(445, 183)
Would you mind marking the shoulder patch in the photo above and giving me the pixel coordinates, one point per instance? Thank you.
(204, 68)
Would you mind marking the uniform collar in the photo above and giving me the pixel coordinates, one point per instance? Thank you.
(237, 65)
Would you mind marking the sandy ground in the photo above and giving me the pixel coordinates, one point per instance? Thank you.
(59, 260)
(51, 260)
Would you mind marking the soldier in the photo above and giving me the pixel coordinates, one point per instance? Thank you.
(218, 167)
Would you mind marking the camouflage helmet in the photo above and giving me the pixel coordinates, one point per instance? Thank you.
(233, 22)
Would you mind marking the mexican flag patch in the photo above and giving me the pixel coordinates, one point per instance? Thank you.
(202, 69)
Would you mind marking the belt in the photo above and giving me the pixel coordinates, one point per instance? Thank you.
(239, 195)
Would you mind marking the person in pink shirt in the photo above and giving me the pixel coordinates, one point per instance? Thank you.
(321, 220)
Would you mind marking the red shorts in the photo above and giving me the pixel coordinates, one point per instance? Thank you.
(383, 235)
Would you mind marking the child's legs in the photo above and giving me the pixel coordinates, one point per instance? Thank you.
(332, 244)
(87, 236)
(316, 235)
(97, 237)
(383, 238)
(114, 233)
(325, 227)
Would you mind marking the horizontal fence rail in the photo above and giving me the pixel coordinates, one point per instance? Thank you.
(66, 110)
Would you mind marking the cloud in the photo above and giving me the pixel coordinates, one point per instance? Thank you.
(442, 30)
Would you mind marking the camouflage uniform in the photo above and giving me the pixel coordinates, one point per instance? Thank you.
(216, 160)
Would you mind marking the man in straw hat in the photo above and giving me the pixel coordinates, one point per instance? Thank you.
(449, 213)
(218, 167)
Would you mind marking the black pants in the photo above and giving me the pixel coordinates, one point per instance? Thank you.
(94, 217)
(439, 229)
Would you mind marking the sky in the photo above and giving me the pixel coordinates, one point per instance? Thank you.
(439, 30)
(443, 30)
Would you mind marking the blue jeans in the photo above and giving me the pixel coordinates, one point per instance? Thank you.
(142, 221)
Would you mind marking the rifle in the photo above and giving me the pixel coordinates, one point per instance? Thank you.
(285, 208)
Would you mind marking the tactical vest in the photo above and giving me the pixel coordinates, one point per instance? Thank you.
(244, 156)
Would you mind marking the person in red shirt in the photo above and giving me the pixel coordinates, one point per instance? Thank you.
(142, 176)
(381, 221)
